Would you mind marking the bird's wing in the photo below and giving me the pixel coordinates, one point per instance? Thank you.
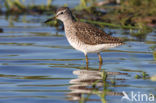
(89, 34)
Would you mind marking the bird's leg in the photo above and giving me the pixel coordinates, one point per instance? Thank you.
(86, 61)
(100, 58)
(100, 61)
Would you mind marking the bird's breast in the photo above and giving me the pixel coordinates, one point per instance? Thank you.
(73, 39)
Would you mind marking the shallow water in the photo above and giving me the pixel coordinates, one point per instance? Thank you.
(38, 65)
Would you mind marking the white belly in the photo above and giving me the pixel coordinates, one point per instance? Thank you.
(86, 48)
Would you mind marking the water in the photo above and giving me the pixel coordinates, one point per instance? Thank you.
(38, 65)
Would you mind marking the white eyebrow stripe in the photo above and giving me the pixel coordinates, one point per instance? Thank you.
(60, 12)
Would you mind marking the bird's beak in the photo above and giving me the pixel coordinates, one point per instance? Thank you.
(50, 19)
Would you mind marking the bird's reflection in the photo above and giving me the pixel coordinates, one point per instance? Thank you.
(90, 82)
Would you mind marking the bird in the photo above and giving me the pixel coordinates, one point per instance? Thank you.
(85, 37)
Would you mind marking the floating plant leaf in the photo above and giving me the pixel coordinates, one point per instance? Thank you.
(154, 55)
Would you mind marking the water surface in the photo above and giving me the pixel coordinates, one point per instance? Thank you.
(37, 64)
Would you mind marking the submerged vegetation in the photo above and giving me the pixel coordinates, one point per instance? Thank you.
(128, 12)
(138, 16)
(17, 7)
(144, 75)
(131, 14)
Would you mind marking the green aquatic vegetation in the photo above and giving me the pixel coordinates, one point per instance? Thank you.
(18, 7)
(137, 11)
(49, 3)
(19, 4)
(14, 4)
(83, 5)
(142, 32)
(87, 6)
(144, 75)
(154, 55)
(137, 76)
(134, 15)
(104, 76)
(131, 14)
(109, 24)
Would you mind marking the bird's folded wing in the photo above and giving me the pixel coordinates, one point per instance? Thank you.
(89, 34)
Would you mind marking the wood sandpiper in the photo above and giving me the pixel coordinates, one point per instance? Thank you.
(85, 37)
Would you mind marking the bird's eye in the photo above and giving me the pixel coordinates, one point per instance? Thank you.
(61, 13)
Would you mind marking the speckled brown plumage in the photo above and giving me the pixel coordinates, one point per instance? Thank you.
(85, 37)
(89, 34)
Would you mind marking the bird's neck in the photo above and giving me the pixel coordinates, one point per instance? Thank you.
(69, 21)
